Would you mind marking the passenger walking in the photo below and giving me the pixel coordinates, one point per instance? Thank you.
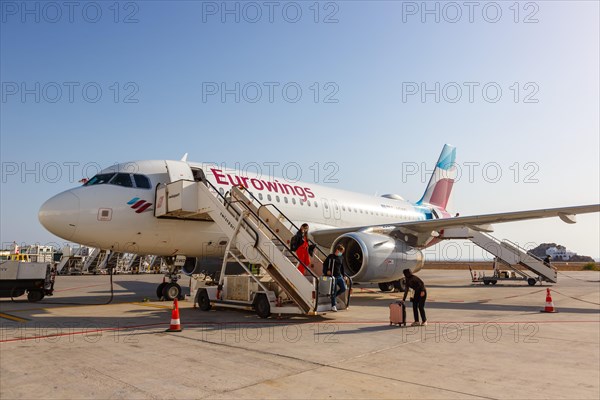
(415, 283)
(299, 244)
(334, 266)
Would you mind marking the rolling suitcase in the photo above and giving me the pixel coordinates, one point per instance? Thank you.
(325, 285)
(398, 313)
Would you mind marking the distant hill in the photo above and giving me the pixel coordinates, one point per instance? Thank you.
(540, 251)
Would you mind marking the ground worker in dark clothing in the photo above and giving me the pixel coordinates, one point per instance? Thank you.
(416, 284)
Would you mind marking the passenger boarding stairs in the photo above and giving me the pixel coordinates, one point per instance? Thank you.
(72, 262)
(510, 253)
(96, 261)
(113, 262)
(256, 235)
(134, 263)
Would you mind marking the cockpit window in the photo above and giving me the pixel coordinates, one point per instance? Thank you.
(99, 179)
(142, 181)
(122, 180)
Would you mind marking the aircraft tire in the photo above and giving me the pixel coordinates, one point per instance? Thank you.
(386, 286)
(400, 285)
(531, 281)
(171, 291)
(159, 290)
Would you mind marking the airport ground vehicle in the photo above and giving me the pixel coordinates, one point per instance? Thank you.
(18, 275)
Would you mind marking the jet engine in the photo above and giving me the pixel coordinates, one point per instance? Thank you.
(191, 266)
(372, 257)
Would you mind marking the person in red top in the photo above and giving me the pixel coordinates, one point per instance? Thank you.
(302, 250)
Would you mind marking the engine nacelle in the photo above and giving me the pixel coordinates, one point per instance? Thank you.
(191, 266)
(372, 257)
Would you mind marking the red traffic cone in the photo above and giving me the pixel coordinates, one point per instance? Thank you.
(175, 322)
(549, 303)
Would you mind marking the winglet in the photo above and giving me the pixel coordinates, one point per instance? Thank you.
(184, 158)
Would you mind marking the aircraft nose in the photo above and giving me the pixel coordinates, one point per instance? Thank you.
(60, 214)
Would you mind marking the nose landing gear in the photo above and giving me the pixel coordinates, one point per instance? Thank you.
(171, 290)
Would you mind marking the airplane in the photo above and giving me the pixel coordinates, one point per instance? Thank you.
(114, 211)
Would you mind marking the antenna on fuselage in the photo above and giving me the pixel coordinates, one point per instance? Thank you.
(184, 158)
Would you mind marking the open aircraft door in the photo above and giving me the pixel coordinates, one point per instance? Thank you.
(179, 170)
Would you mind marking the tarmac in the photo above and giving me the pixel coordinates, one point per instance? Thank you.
(487, 342)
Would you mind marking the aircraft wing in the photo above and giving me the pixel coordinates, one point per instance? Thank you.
(326, 237)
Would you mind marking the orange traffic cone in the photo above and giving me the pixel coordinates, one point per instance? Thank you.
(549, 303)
(175, 322)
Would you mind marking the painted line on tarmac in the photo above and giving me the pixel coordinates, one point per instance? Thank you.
(382, 322)
(397, 296)
(79, 287)
(13, 317)
(151, 305)
(60, 306)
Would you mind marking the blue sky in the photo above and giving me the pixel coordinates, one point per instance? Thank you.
(157, 65)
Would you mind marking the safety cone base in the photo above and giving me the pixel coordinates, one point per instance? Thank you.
(551, 311)
(174, 330)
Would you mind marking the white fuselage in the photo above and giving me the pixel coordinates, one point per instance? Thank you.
(121, 218)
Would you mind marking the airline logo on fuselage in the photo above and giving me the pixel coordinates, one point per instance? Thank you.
(275, 186)
(139, 205)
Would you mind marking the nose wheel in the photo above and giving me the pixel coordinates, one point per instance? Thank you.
(159, 290)
(171, 291)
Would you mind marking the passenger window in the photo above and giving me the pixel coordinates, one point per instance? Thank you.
(293, 200)
(277, 198)
(260, 196)
(343, 208)
(122, 180)
(142, 181)
(269, 197)
(316, 204)
(285, 200)
(99, 179)
(308, 202)
(326, 205)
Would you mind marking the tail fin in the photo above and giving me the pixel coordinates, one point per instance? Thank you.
(440, 185)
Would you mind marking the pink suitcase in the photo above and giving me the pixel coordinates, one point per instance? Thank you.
(397, 313)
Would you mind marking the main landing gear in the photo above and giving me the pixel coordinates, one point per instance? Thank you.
(399, 286)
